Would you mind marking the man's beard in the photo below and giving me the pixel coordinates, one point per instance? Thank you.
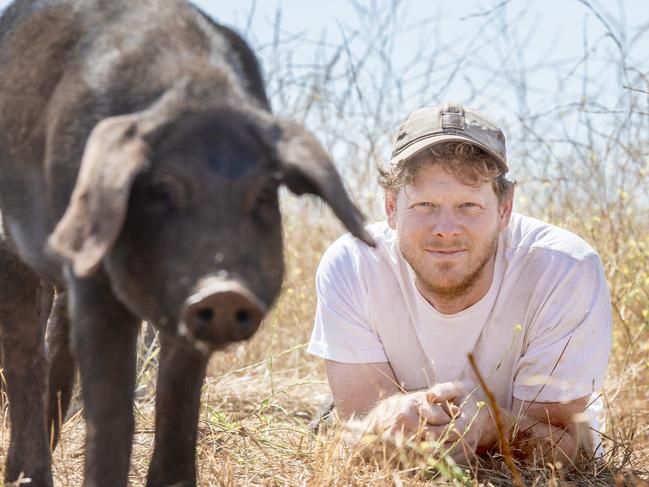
(430, 283)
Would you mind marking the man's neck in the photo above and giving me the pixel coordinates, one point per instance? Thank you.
(450, 305)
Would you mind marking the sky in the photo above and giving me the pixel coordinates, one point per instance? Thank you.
(542, 31)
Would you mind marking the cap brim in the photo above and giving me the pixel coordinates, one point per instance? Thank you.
(414, 149)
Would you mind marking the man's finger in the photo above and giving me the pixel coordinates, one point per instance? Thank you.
(452, 431)
(450, 408)
(435, 414)
(446, 391)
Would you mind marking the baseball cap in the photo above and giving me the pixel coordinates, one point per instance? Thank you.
(428, 126)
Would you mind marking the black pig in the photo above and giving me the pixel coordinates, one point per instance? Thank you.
(139, 170)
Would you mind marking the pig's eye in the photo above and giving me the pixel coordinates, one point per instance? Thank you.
(166, 194)
(266, 204)
(267, 196)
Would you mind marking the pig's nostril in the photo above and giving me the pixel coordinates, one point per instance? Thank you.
(205, 314)
(243, 317)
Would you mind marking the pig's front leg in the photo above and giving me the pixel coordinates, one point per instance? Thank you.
(104, 335)
(24, 304)
(180, 377)
(61, 366)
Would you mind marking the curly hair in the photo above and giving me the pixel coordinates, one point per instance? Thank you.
(470, 164)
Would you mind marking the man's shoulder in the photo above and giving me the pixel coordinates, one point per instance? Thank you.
(527, 236)
(349, 262)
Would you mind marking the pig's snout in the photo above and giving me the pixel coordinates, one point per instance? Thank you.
(221, 312)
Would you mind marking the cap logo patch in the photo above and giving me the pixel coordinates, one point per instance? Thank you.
(453, 117)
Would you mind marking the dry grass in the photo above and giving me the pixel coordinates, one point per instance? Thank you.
(588, 173)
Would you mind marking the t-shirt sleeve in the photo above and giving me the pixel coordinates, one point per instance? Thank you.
(567, 353)
(342, 330)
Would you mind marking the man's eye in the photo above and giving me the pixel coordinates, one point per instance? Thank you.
(469, 204)
(423, 204)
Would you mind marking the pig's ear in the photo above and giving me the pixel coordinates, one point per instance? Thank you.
(114, 155)
(306, 168)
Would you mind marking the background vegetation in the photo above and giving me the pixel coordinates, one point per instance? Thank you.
(578, 140)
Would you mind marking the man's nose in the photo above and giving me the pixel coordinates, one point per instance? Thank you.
(446, 223)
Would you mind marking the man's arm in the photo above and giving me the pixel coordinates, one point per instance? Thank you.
(369, 395)
(357, 388)
(551, 432)
(538, 432)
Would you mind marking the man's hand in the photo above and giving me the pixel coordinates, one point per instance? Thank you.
(411, 415)
(472, 430)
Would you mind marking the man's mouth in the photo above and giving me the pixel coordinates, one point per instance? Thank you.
(445, 252)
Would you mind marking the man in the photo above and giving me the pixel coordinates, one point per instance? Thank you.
(455, 271)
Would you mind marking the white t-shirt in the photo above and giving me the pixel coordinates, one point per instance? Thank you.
(541, 333)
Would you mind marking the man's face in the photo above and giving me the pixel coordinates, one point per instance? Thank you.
(448, 231)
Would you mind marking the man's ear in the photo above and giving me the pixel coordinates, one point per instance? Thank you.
(390, 203)
(506, 207)
(306, 168)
